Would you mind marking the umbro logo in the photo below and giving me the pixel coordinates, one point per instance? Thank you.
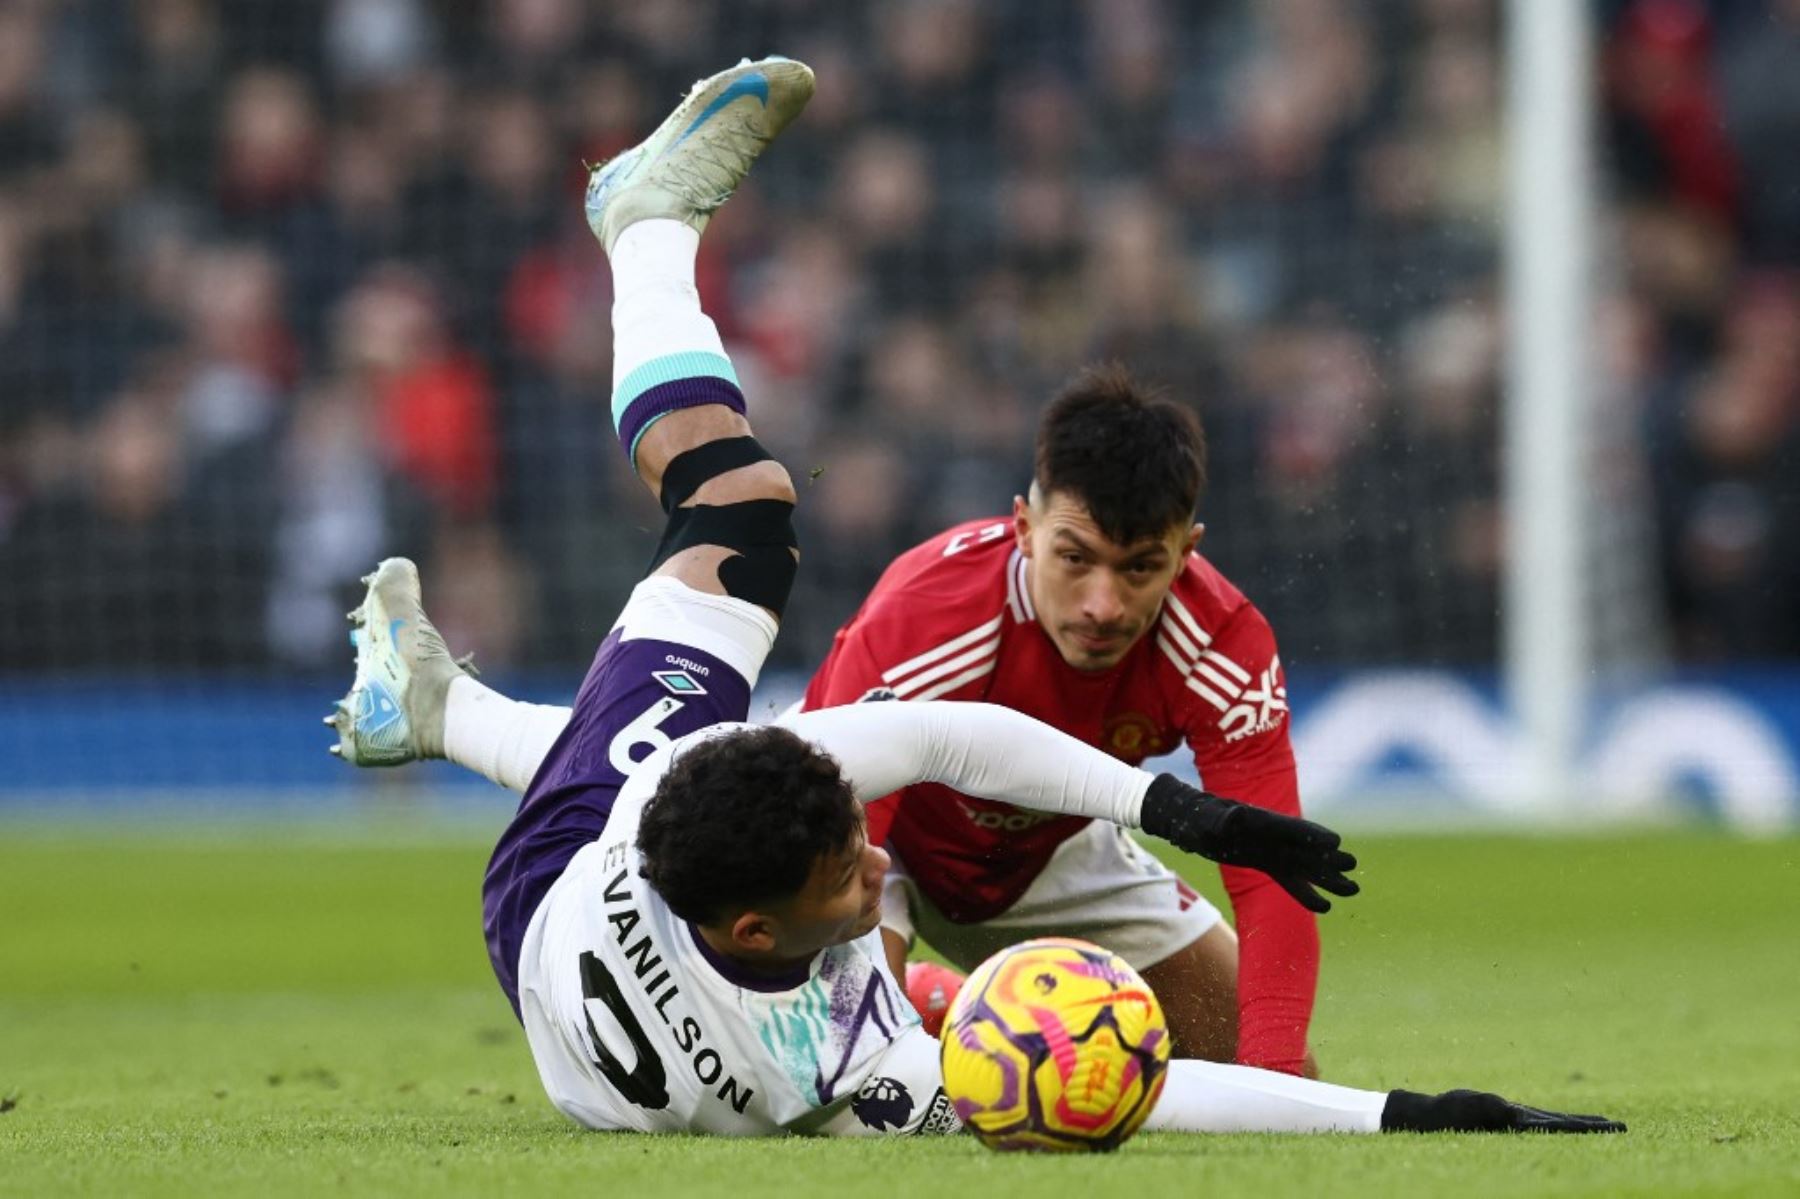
(680, 682)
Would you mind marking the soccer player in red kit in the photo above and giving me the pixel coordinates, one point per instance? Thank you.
(1090, 609)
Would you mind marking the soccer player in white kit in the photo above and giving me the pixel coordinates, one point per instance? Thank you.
(684, 911)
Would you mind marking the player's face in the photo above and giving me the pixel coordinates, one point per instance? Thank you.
(840, 902)
(1094, 597)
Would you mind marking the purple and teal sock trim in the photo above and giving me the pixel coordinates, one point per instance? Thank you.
(668, 384)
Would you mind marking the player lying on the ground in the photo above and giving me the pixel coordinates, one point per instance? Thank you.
(1090, 610)
(689, 935)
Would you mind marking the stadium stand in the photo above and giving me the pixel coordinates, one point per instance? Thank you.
(287, 287)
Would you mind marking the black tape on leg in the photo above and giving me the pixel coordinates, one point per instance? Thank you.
(764, 576)
(686, 471)
(760, 532)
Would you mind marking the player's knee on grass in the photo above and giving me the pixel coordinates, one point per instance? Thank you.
(1198, 990)
(730, 529)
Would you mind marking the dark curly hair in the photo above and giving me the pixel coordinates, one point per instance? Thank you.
(1134, 458)
(740, 819)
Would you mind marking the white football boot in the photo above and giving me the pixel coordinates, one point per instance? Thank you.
(698, 156)
(394, 712)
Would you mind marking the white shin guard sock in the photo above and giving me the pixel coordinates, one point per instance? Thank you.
(656, 307)
(1209, 1097)
(503, 740)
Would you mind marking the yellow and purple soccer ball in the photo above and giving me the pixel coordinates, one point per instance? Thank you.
(1054, 1045)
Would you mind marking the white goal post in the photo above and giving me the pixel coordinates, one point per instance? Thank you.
(1547, 648)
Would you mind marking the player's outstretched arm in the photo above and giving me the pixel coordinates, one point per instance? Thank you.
(1203, 1097)
(987, 750)
(1209, 1097)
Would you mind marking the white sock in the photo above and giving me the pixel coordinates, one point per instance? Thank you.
(502, 739)
(656, 307)
(1209, 1097)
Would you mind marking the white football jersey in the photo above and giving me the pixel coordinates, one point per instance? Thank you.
(636, 1024)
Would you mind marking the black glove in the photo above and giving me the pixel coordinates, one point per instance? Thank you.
(1478, 1111)
(1298, 854)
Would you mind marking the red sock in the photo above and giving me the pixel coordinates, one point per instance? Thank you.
(932, 989)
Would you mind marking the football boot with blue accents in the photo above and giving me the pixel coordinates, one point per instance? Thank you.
(697, 157)
(394, 712)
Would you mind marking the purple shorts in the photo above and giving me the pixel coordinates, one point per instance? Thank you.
(568, 803)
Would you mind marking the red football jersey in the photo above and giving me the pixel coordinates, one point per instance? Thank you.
(953, 619)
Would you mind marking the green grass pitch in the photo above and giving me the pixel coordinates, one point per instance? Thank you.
(278, 1013)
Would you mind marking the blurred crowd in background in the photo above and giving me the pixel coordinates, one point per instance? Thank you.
(288, 287)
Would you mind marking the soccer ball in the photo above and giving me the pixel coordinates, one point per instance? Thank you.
(1054, 1045)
